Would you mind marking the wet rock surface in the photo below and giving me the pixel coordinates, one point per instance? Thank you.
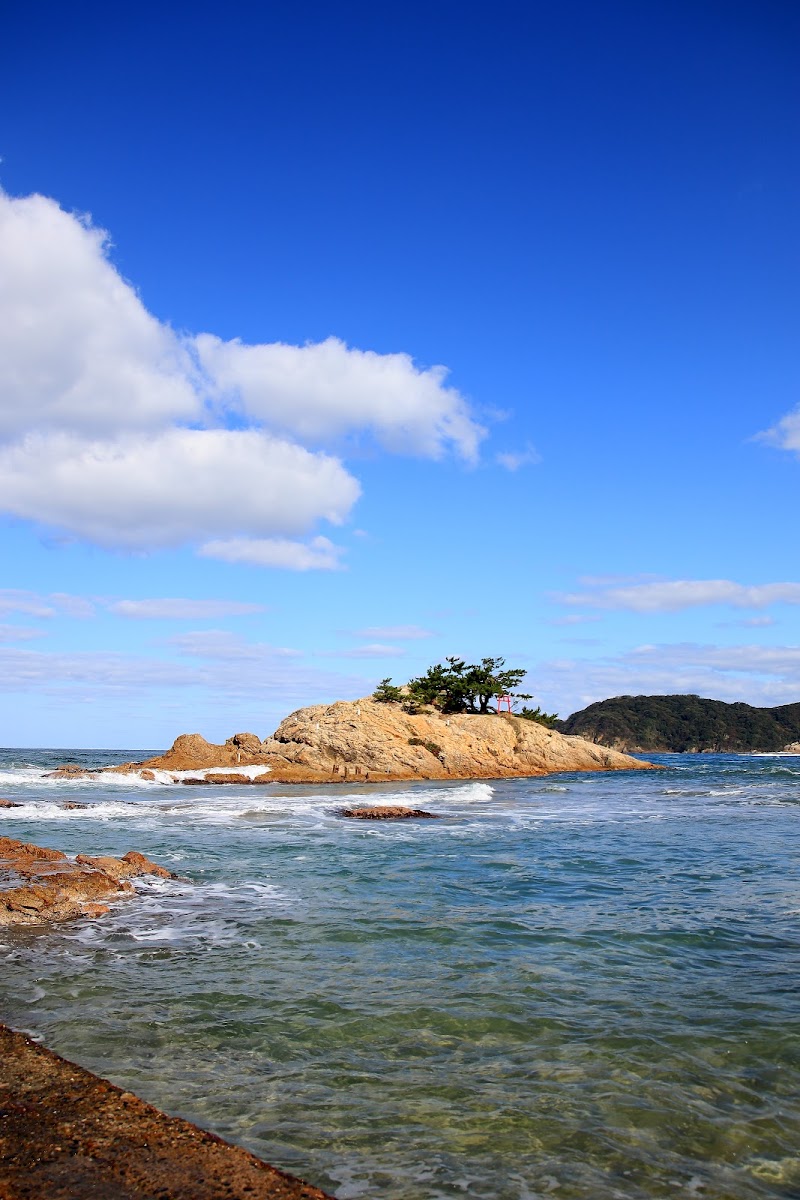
(386, 812)
(66, 1134)
(39, 885)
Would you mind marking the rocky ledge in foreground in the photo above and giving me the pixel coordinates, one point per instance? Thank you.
(366, 741)
(38, 885)
(68, 1135)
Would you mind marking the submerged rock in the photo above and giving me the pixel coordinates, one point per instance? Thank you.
(39, 885)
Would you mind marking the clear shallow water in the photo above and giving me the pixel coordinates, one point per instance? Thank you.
(576, 986)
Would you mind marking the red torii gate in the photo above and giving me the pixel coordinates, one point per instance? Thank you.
(504, 700)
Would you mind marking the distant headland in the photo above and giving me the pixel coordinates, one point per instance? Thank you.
(684, 723)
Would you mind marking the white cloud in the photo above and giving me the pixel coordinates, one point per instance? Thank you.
(113, 427)
(323, 390)
(678, 594)
(176, 486)
(78, 349)
(182, 610)
(395, 633)
(786, 434)
(319, 554)
(574, 619)
(513, 460)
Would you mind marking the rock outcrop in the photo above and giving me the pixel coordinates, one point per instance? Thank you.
(38, 885)
(66, 1134)
(363, 740)
(386, 812)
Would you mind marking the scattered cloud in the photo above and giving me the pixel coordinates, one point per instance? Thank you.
(53, 605)
(257, 677)
(756, 674)
(373, 650)
(319, 554)
(19, 633)
(748, 623)
(118, 430)
(512, 460)
(395, 633)
(221, 644)
(574, 619)
(676, 595)
(182, 610)
(785, 434)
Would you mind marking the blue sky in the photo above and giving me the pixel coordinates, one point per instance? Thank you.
(338, 339)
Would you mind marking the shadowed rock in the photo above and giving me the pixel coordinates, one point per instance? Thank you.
(9, 804)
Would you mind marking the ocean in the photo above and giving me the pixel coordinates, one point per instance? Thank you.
(571, 986)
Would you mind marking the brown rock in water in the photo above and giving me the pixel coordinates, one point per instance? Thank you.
(70, 771)
(386, 812)
(66, 1134)
(38, 885)
(211, 777)
(9, 804)
(73, 804)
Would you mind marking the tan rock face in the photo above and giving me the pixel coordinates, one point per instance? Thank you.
(364, 737)
(191, 752)
(38, 885)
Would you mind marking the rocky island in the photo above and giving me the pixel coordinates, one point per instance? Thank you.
(367, 741)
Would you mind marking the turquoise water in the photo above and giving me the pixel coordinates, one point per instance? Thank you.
(576, 986)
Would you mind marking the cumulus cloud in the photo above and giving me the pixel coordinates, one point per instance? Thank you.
(78, 349)
(320, 554)
(172, 609)
(117, 429)
(172, 487)
(319, 391)
(395, 633)
(678, 594)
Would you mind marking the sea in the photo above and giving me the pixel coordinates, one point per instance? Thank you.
(581, 985)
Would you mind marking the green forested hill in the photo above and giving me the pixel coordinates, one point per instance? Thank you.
(681, 723)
